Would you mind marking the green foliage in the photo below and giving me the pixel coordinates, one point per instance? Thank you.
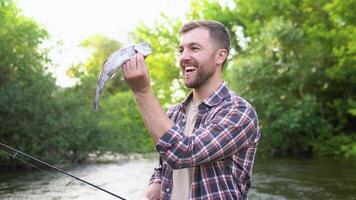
(294, 60)
(117, 127)
(162, 64)
(76, 132)
(301, 55)
(121, 122)
(290, 59)
(272, 75)
(26, 90)
(338, 145)
(36, 116)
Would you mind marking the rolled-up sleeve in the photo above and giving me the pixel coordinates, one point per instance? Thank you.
(156, 176)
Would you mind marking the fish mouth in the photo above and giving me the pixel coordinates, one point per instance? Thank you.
(144, 53)
(143, 48)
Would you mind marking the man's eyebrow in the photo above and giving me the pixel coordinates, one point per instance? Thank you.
(194, 44)
(190, 44)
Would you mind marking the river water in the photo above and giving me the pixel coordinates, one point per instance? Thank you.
(128, 178)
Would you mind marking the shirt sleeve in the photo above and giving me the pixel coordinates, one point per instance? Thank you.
(231, 129)
(157, 174)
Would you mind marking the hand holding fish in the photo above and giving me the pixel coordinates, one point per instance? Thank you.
(113, 63)
(136, 74)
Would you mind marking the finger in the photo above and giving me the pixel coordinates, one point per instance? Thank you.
(129, 67)
(136, 61)
(125, 66)
(133, 63)
(140, 62)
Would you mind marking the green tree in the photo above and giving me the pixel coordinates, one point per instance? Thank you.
(272, 74)
(293, 60)
(117, 126)
(325, 60)
(26, 88)
(35, 115)
(123, 126)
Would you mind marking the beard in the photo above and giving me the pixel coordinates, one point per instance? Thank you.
(201, 76)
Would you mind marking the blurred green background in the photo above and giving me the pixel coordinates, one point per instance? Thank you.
(293, 60)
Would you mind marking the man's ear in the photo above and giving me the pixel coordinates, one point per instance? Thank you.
(221, 56)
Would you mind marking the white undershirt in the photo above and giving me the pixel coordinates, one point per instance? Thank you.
(182, 178)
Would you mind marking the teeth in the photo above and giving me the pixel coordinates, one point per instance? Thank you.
(189, 68)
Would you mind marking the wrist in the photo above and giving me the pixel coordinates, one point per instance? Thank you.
(142, 94)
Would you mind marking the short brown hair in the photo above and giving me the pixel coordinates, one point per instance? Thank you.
(217, 31)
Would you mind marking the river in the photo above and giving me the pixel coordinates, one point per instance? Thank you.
(273, 178)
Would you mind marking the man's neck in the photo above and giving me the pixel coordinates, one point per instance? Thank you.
(199, 94)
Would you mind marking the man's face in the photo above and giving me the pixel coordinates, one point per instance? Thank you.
(197, 57)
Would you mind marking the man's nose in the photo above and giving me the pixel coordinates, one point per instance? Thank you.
(185, 55)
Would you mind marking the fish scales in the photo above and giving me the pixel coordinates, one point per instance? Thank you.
(113, 63)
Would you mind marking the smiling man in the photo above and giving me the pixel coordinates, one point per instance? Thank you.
(207, 143)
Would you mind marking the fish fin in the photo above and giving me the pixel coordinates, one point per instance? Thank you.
(96, 101)
(112, 75)
(102, 67)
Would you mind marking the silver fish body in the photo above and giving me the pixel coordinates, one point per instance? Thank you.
(113, 63)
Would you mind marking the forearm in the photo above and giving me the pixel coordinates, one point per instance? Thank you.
(155, 119)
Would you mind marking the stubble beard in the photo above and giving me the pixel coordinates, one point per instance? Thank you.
(200, 78)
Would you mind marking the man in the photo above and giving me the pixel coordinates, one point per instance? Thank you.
(208, 142)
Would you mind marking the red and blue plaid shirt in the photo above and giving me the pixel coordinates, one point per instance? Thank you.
(221, 148)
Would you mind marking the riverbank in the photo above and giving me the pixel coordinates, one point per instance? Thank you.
(273, 179)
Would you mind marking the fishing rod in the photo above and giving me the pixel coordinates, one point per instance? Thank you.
(57, 169)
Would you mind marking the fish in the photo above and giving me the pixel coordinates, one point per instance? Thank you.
(114, 62)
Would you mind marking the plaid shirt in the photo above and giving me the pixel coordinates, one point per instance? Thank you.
(221, 148)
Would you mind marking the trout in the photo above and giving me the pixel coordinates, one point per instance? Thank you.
(114, 62)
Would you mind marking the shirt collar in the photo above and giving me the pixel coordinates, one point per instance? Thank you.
(214, 99)
(217, 96)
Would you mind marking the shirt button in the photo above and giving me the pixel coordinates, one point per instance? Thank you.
(167, 189)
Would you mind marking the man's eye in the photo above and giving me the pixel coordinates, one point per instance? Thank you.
(195, 48)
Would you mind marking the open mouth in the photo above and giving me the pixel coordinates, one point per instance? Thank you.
(189, 69)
